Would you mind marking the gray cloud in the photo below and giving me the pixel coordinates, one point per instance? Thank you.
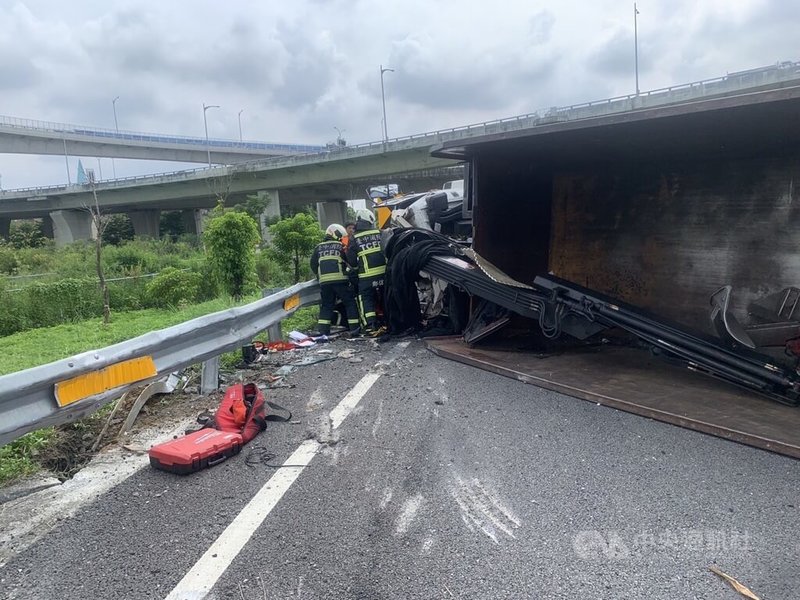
(299, 69)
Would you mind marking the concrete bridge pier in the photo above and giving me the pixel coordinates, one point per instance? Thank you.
(47, 227)
(271, 212)
(5, 228)
(145, 223)
(333, 211)
(193, 220)
(72, 225)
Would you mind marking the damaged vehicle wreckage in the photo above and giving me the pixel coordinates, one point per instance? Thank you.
(600, 258)
(562, 307)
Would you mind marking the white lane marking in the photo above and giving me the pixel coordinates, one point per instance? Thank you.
(407, 513)
(197, 583)
(353, 397)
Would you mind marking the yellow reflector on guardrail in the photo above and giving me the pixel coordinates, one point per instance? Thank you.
(291, 302)
(83, 386)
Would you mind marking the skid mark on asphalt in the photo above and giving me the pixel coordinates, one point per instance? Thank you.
(407, 513)
(427, 546)
(378, 420)
(387, 497)
(482, 509)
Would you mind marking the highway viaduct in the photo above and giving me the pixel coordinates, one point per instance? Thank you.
(325, 178)
(27, 136)
(332, 176)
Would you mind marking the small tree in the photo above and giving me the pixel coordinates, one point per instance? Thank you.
(295, 238)
(230, 239)
(100, 222)
(26, 234)
(254, 205)
(118, 229)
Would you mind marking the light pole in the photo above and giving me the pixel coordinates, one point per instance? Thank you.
(636, 44)
(339, 139)
(240, 125)
(205, 124)
(116, 128)
(383, 99)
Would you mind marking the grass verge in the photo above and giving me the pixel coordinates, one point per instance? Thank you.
(63, 450)
(40, 346)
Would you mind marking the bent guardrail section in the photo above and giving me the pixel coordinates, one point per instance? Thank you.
(28, 400)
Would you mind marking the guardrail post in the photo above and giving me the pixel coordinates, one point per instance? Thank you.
(274, 332)
(209, 375)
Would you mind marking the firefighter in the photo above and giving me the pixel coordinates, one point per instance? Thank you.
(329, 264)
(365, 254)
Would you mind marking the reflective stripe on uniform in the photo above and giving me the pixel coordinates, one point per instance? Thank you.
(370, 247)
(330, 268)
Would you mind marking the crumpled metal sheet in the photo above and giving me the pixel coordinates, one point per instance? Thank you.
(492, 271)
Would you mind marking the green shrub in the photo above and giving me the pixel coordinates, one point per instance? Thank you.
(61, 301)
(294, 240)
(8, 261)
(118, 229)
(26, 234)
(129, 259)
(127, 295)
(231, 239)
(172, 287)
(37, 260)
(18, 458)
(271, 272)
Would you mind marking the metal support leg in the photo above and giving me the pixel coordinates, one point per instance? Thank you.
(274, 332)
(209, 376)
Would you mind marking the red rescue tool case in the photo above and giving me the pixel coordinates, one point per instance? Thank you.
(195, 451)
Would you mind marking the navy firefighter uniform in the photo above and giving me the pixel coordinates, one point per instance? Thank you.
(364, 252)
(330, 267)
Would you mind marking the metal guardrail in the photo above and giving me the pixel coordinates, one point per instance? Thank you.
(27, 398)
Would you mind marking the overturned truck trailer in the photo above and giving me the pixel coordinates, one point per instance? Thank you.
(686, 216)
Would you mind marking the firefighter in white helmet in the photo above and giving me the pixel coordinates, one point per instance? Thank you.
(330, 267)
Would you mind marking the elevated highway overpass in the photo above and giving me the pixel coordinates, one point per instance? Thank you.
(26, 136)
(340, 173)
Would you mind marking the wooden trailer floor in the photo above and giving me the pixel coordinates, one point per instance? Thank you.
(634, 381)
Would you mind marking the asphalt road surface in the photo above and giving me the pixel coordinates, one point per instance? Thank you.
(436, 480)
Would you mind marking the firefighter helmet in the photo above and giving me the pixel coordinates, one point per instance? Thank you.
(336, 231)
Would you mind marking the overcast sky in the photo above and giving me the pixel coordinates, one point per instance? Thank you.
(299, 69)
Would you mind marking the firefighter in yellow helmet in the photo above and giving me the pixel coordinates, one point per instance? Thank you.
(330, 267)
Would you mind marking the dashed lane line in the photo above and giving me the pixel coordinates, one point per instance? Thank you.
(205, 573)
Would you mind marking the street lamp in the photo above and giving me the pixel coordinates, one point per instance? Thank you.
(340, 141)
(240, 125)
(383, 99)
(636, 44)
(205, 124)
(116, 127)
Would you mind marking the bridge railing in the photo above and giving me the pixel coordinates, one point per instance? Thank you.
(28, 398)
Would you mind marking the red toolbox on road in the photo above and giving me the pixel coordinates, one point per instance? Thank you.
(196, 451)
